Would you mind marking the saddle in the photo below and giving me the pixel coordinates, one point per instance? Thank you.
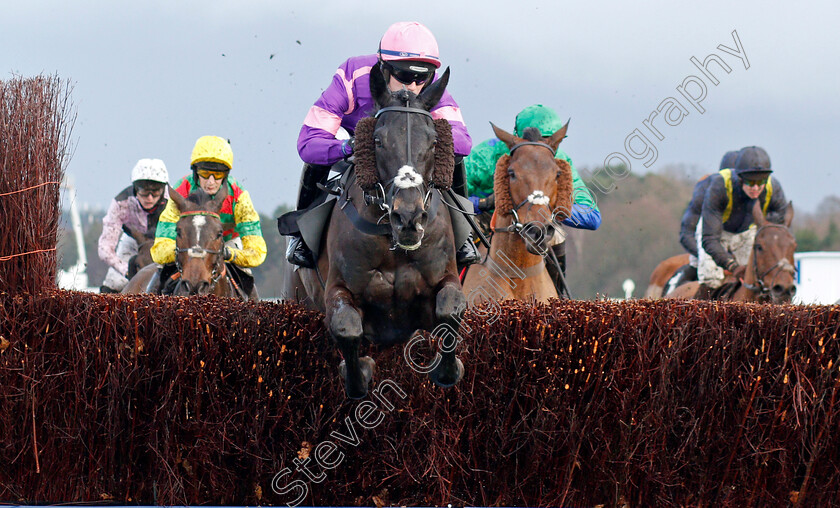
(311, 222)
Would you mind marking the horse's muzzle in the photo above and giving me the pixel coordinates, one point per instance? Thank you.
(408, 225)
(782, 294)
(187, 288)
(536, 236)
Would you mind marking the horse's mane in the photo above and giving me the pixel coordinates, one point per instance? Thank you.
(532, 134)
(365, 157)
(199, 197)
(562, 200)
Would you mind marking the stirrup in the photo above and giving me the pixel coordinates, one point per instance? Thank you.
(297, 253)
(467, 254)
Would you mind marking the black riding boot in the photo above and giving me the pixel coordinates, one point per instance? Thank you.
(467, 254)
(685, 273)
(560, 252)
(297, 252)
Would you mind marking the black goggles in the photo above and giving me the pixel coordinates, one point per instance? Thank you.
(408, 77)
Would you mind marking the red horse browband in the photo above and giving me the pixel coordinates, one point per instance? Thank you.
(201, 212)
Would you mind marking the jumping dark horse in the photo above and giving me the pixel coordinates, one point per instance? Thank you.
(199, 252)
(771, 275)
(387, 265)
(533, 192)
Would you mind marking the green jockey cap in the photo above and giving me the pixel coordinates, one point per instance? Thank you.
(542, 117)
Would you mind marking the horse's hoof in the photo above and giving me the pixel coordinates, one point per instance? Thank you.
(367, 366)
(443, 381)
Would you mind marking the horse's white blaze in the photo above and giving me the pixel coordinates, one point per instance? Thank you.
(198, 222)
(407, 178)
(538, 197)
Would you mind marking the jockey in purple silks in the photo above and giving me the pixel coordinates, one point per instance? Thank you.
(408, 57)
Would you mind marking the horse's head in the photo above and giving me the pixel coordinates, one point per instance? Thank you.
(773, 263)
(145, 240)
(199, 242)
(533, 188)
(401, 153)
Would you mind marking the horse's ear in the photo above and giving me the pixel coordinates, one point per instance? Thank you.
(758, 215)
(431, 95)
(177, 198)
(139, 236)
(219, 199)
(506, 137)
(378, 86)
(557, 137)
(789, 214)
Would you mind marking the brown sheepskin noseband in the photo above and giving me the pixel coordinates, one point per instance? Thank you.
(365, 156)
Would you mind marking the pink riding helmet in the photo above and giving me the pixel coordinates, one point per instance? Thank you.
(409, 40)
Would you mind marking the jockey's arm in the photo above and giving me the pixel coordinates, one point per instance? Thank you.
(163, 250)
(585, 213)
(449, 110)
(688, 224)
(110, 237)
(253, 250)
(714, 205)
(778, 204)
(317, 143)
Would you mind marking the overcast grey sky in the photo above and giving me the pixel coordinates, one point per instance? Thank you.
(150, 77)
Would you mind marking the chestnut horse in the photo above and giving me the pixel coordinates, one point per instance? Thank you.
(388, 254)
(771, 274)
(199, 251)
(533, 191)
(662, 274)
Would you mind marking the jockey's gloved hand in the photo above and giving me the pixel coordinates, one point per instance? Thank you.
(488, 203)
(739, 271)
(347, 147)
(230, 255)
(476, 201)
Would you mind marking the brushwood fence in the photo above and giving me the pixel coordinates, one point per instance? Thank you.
(143, 399)
(36, 119)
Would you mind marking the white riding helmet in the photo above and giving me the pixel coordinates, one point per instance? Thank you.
(153, 170)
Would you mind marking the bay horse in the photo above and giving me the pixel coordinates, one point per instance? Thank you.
(199, 251)
(770, 276)
(144, 241)
(388, 253)
(533, 192)
(662, 274)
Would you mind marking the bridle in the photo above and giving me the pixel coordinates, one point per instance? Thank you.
(783, 264)
(384, 195)
(197, 251)
(517, 226)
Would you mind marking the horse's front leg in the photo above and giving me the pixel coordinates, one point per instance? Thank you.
(450, 303)
(344, 321)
